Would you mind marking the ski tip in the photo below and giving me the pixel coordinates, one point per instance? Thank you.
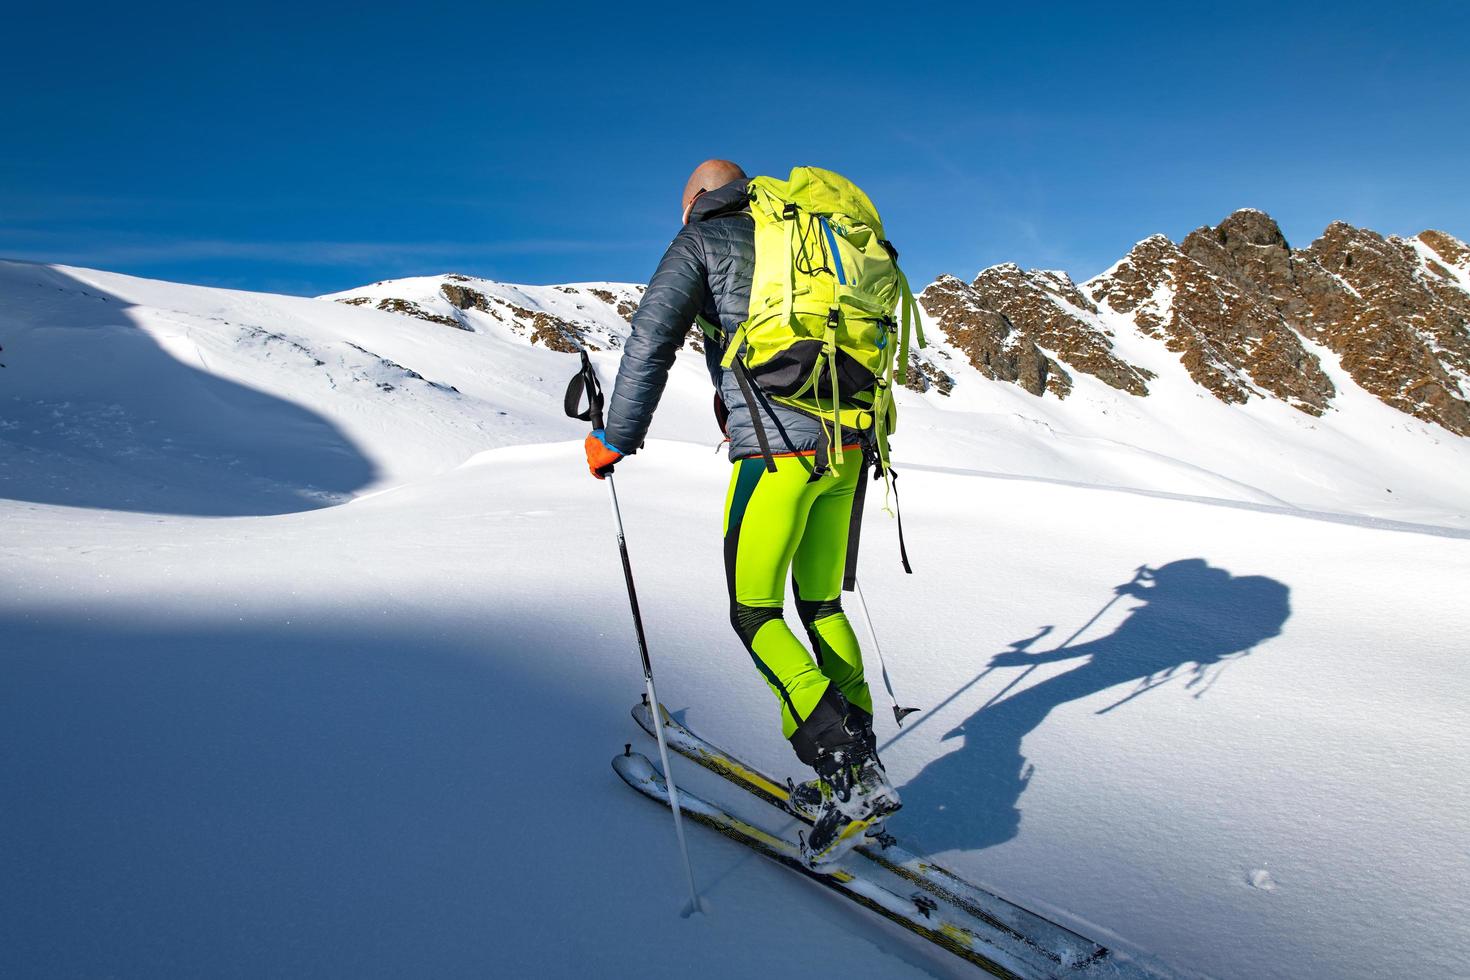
(899, 714)
(636, 768)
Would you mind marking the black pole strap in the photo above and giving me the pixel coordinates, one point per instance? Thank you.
(575, 388)
(584, 382)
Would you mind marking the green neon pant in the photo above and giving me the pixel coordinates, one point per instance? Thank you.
(775, 522)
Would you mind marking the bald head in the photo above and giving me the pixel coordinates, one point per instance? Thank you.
(708, 176)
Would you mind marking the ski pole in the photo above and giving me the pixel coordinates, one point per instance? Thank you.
(586, 380)
(899, 714)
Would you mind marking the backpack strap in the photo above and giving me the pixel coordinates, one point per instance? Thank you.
(733, 350)
(743, 380)
(911, 323)
(834, 437)
(732, 362)
(821, 460)
(710, 331)
(855, 526)
(789, 216)
(903, 552)
(909, 314)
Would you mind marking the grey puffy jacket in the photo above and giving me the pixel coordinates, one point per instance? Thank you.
(706, 271)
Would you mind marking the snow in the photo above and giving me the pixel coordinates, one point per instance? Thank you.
(248, 729)
(1460, 271)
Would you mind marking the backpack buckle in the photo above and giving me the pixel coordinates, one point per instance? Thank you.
(788, 213)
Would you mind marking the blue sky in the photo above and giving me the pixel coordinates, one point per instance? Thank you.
(313, 147)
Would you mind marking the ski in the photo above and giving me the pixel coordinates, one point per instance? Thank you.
(920, 914)
(1064, 948)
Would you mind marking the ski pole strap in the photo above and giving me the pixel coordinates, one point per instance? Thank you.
(755, 416)
(584, 382)
(855, 528)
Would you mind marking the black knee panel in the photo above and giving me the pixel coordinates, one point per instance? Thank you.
(748, 620)
(811, 610)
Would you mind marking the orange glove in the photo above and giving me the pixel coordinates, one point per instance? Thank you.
(600, 456)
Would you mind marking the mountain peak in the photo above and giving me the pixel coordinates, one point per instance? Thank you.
(1447, 247)
(1252, 227)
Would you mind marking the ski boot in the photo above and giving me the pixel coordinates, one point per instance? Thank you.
(851, 793)
(806, 798)
(856, 799)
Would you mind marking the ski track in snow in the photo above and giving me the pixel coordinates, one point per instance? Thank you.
(247, 732)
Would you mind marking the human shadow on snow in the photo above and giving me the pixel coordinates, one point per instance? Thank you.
(1193, 619)
(94, 413)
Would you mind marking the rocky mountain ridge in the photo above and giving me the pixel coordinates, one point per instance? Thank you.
(561, 318)
(1243, 313)
(1246, 315)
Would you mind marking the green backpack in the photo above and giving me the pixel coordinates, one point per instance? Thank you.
(821, 336)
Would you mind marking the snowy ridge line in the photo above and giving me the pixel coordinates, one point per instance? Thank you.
(497, 353)
(1354, 520)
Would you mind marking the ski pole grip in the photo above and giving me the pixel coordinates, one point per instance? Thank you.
(584, 381)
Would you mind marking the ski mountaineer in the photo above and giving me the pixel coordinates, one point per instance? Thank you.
(786, 512)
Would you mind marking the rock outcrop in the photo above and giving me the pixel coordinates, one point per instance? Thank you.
(1398, 319)
(1242, 311)
(989, 340)
(562, 318)
(1201, 300)
(405, 307)
(1048, 309)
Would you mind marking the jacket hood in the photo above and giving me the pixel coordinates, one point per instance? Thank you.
(734, 196)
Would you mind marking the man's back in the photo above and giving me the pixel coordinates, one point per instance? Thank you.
(706, 272)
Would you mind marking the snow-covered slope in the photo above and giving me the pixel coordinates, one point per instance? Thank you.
(1362, 458)
(132, 394)
(372, 739)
